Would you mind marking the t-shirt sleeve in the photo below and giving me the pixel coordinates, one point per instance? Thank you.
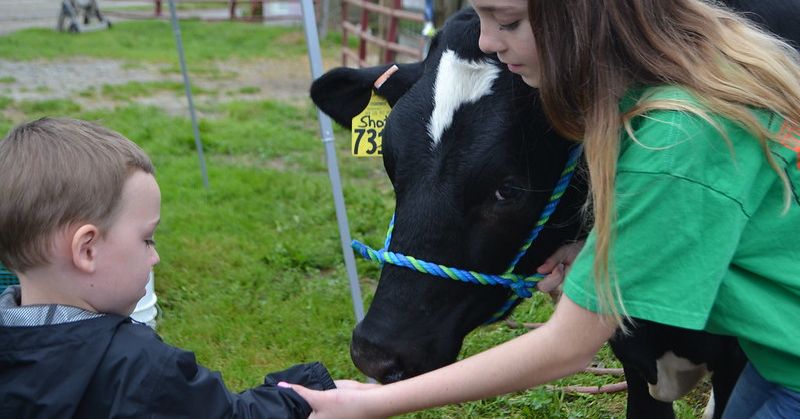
(676, 232)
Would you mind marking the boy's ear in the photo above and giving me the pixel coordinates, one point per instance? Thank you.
(84, 247)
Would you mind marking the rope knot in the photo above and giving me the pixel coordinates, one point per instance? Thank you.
(523, 288)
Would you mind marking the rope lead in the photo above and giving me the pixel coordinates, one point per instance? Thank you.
(521, 285)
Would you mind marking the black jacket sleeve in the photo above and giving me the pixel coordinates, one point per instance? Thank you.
(189, 390)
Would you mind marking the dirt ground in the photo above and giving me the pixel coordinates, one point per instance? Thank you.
(284, 80)
(21, 14)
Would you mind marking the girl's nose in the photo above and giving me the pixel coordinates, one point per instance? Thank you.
(488, 41)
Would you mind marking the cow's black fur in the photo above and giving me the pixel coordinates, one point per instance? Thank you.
(649, 342)
(781, 17)
(446, 208)
(447, 212)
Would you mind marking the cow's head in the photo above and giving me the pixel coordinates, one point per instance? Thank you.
(473, 162)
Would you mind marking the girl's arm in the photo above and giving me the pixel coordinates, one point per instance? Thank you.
(564, 345)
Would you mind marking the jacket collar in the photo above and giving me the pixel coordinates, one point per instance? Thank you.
(12, 314)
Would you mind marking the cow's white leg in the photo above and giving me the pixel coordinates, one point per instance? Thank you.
(708, 413)
(676, 377)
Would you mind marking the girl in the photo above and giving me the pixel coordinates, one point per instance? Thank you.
(689, 120)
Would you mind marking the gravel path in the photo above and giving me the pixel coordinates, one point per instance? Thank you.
(21, 14)
(76, 79)
(284, 80)
(72, 78)
(37, 80)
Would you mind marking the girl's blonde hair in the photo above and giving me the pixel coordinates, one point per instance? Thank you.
(594, 51)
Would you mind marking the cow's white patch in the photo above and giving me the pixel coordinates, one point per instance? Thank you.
(711, 406)
(676, 377)
(458, 81)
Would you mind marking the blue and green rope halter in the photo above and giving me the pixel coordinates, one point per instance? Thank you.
(521, 285)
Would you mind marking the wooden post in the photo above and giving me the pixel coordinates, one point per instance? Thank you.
(231, 9)
(362, 43)
(390, 48)
(256, 9)
(345, 46)
(392, 37)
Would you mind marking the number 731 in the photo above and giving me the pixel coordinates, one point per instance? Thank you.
(372, 144)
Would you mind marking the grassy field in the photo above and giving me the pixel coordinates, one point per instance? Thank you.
(251, 276)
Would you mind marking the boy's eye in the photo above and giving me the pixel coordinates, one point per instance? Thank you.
(150, 242)
(510, 26)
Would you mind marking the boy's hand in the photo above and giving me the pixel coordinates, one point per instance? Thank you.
(347, 401)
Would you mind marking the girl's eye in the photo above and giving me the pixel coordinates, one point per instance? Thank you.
(150, 242)
(509, 27)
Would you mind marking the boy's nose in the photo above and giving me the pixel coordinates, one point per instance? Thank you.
(156, 258)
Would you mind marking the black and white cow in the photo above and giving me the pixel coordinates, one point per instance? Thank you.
(472, 161)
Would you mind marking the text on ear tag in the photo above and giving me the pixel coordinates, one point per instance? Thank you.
(367, 128)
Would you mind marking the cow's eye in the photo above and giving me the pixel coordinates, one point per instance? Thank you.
(507, 191)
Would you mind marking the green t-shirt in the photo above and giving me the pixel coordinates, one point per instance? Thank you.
(702, 240)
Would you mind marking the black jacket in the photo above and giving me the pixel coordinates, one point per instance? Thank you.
(110, 367)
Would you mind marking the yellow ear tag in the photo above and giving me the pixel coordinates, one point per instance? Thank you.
(367, 128)
(366, 135)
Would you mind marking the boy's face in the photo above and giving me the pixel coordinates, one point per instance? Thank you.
(126, 254)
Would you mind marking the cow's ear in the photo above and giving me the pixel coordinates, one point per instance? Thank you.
(398, 84)
(343, 92)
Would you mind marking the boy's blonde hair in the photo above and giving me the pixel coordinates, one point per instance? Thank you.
(55, 173)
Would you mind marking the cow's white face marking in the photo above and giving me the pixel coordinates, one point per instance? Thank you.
(458, 81)
(676, 377)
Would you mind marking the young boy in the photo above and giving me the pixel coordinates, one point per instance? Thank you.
(78, 210)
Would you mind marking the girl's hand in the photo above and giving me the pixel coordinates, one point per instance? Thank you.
(347, 401)
(557, 266)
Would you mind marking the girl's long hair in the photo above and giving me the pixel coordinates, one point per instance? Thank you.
(593, 51)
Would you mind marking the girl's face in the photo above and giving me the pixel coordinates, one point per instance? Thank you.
(506, 30)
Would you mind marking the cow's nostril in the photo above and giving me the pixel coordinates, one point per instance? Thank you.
(376, 362)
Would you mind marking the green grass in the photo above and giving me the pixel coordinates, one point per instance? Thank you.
(251, 276)
(48, 107)
(153, 41)
(249, 90)
(138, 89)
